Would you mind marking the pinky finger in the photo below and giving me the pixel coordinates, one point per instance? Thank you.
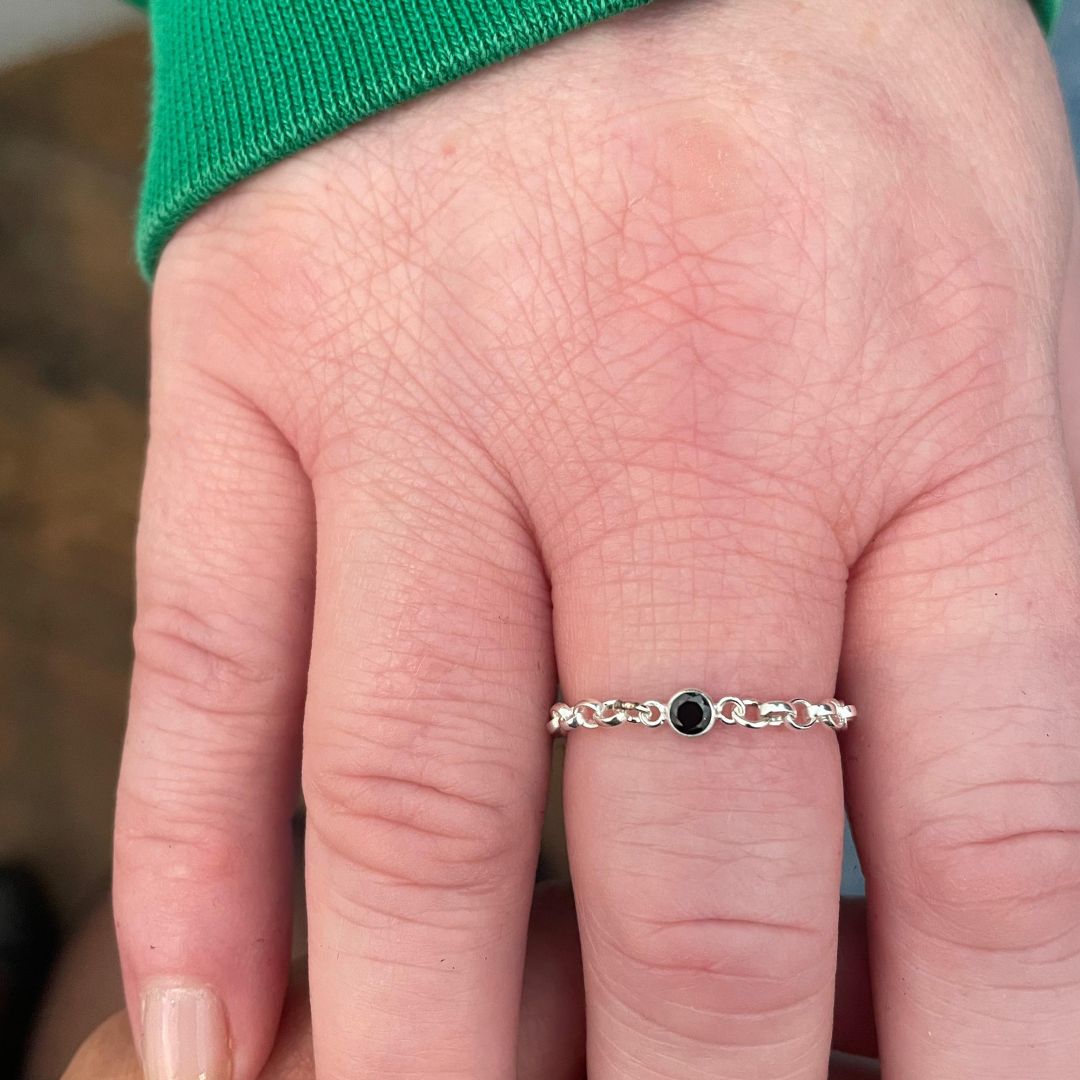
(209, 776)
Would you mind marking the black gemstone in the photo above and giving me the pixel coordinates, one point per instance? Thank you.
(691, 712)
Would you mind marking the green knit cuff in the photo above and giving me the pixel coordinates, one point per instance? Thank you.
(239, 84)
(1048, 12)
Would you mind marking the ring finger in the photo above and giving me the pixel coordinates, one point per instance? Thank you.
(706, 870)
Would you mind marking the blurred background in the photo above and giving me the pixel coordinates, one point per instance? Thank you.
(73, 92)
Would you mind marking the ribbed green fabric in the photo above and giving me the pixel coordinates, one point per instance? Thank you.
(1048, 12)
(239, 84)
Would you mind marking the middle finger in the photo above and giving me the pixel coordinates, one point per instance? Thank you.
(424, 792)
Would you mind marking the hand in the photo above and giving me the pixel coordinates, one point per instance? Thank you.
(551, 1044)
(551, 1039)
(109, 1053)
(713, 345)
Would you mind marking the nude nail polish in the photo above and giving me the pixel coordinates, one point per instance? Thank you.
(185, 1033)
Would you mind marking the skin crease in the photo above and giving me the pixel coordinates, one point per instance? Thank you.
(551, 1042)
(713, 345)
(110, 1055)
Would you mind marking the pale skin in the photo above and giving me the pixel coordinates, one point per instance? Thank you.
(715, 345)
(551, 1036)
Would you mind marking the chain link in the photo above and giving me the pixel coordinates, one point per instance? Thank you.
(798, 714)
(611, 713)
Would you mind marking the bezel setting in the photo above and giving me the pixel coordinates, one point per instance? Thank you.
(691, 697)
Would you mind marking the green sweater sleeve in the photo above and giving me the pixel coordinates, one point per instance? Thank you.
(239, 84)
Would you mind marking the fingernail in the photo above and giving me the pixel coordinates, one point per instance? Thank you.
(185, 1034)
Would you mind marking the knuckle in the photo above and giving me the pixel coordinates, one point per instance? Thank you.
(176, 839)
(242, 268)
(764, 966)
(707, 940)
(979, 873)
(190, 806)
(245, 246)
(436, 821)
(209, 662)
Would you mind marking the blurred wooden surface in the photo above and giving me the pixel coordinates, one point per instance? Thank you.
(72, 428)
